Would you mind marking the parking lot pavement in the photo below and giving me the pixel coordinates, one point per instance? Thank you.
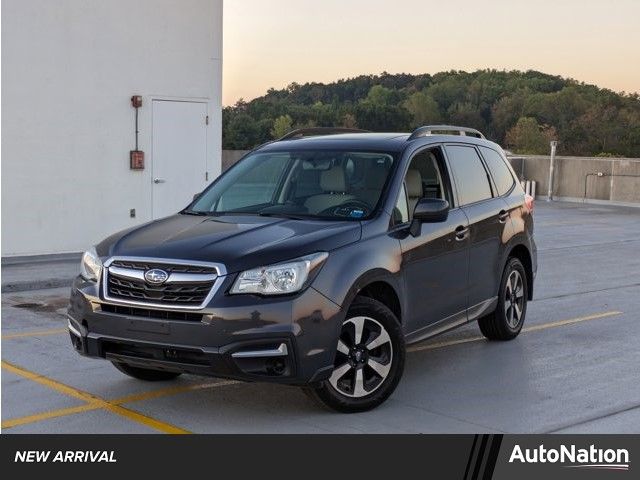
(573, 369)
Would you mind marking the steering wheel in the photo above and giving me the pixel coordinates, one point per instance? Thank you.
(349, 203)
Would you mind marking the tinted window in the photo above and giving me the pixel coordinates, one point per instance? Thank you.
(469, 174)
(499, 170)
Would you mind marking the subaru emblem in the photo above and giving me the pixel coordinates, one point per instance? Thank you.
(156, 276)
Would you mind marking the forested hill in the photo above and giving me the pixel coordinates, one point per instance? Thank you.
(520, 110)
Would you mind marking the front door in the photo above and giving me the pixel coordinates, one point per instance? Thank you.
(179, 154)
(436, 261)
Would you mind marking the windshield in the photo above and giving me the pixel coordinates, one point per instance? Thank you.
(318, 184)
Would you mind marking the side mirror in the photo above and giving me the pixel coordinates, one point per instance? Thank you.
(428, 210)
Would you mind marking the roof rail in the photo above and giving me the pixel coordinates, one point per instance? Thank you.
(445, 129)
(315, 131)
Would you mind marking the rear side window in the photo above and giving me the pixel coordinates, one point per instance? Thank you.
(499, 170)
(469, 174)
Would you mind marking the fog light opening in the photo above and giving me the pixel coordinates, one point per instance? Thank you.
(275, 366)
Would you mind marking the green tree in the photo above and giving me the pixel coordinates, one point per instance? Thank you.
(589, 120)
(423, 109)
(379, 96)
(281, 126)
(527, 136)
(241, 132)
(349, 121)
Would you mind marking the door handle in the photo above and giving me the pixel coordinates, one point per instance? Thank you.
(158, 180)
(461, 233)
(503, 216)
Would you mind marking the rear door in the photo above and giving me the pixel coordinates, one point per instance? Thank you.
(488, 218)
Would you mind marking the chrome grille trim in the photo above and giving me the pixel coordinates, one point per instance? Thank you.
(175, 278)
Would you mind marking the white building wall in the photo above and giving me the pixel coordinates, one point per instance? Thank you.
(69, 68)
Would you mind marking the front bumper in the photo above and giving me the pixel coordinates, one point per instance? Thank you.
(288, 339)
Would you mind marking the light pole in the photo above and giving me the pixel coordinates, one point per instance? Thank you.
(552, 162)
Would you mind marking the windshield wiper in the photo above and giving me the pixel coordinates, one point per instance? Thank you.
(292, 216)
(194, 212)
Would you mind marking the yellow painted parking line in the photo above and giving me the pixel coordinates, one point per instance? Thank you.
(571, 321)
(136, 397)
(533, 328)
(92, 399)
(14, 422)
(39, 333)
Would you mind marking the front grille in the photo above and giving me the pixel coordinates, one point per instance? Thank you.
(167, 267)
(154, 314)
(187, 286)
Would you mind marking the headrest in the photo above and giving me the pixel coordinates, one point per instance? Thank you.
(333, 180)
(414, 184)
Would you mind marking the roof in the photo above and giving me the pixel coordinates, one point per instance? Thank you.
(383, 142)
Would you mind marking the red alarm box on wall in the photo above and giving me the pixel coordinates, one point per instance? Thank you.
(136, 160)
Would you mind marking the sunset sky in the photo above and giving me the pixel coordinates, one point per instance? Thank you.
(272, 43)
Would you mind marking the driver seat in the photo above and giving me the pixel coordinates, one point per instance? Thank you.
(334, 186)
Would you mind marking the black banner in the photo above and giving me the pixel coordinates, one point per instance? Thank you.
(467, 457)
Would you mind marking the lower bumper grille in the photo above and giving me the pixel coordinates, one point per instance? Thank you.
(153, 314)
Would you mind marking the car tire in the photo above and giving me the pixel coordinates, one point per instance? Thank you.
(145, 374)
(366, 372)
(506, 321)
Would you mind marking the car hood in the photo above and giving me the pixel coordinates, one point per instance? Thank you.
(238, 242)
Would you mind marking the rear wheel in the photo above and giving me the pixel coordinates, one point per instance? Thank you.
(507, 320)
(145, 373)
(369, 359)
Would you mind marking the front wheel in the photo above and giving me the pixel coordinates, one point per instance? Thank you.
(507, 320)
(369, 359)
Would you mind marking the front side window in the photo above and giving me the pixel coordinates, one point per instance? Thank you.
(500, 172)
(423, 179)
(317, 184)
(469, 174)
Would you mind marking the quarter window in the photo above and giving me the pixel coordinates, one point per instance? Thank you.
(500, 172)
(469, 174)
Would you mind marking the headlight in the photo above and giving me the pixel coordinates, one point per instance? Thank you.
(279, 279)
(91, 266)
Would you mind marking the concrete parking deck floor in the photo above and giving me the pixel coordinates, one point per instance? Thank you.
(574, 368)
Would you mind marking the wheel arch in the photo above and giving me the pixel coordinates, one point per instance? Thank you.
(379, 285)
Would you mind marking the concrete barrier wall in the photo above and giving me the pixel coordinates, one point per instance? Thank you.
(619, 182)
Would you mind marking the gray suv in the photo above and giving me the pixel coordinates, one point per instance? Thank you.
(314, 261)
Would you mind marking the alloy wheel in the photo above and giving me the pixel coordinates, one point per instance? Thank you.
(363, 359)
(514, 299)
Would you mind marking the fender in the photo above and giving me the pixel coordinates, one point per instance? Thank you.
(351, 268)
(521, 240)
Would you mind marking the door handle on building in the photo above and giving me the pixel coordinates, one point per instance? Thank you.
(461, 233)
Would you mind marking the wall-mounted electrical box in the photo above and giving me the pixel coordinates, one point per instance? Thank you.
(136, 160)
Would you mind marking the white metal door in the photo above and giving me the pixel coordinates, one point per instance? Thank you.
(179, 155)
